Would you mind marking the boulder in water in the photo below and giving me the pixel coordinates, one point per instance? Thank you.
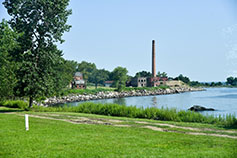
(200, 108)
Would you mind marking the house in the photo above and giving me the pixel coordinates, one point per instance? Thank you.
(108, 83)
(78, 81)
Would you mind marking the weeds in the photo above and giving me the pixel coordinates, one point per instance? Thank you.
(164, 114)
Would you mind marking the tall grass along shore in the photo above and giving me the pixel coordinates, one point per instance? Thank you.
(165, 114)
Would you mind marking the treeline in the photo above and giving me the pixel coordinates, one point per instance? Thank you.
(230, 81)
(95, 76)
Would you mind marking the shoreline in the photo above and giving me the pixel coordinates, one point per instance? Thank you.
(113, 94)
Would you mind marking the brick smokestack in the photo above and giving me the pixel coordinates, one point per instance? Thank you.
(153, 59)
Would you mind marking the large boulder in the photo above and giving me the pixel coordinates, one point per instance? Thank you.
(200, 108)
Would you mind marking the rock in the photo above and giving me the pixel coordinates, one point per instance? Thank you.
(106, 95)
(200, 108)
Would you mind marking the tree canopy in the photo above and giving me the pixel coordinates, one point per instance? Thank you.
(7, 67)
(99, 76)
(143, 74)
(120, 77)
(231, 81)
(161, 74)
(183, 78)
(42, 23)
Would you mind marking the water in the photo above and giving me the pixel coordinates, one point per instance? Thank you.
(224, 100)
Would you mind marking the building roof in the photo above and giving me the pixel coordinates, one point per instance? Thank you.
(78, 74)
(108, 82)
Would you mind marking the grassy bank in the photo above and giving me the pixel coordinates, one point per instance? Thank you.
(14, 104)
(53, 138)
(228, 121)
(92, 90)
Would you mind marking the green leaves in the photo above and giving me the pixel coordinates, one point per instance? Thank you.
(7, 66)
(42, 23)
(120, 77)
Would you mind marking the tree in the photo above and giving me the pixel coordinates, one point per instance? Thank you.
(120, 77)
(64, 73)
(86, 69)
(143, 74)
(231, 81)
(183, 78)
(42, 23)
(7, 67)
(99, 76)
(163, 74)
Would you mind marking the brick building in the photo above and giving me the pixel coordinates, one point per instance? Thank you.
(139, 82)
(78, 81)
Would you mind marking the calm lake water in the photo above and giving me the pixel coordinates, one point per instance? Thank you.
(224, 100)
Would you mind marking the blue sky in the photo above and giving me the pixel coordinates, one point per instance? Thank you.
(196, 38)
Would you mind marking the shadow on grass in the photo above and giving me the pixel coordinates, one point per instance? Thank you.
(5, 109)
(231, 127)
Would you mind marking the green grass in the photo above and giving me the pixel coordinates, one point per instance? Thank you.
(92, 90)
(228, 121)
(14, 104)
(204, 128)
(85, 91)
(49, 138)
(6, 109)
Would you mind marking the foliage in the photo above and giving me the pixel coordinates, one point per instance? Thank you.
(231, 81)
(42, 23)
(163, 74)
(7, 67)
(120, 77)
(183, 78)
(143, 74)
(86, 69)
(14, 104)
(64, 74)
(99, 76)
(84, 91)
(147, 113)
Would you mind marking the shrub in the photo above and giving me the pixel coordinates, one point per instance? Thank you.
(147, 113)
(15, 104)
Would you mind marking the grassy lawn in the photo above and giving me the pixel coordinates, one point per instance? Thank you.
(54, 138)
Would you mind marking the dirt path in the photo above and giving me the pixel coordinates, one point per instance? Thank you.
(141, 124)
(187, 128)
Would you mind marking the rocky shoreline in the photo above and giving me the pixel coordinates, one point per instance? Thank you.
(113, 94)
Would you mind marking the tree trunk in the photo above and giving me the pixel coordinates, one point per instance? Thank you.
(95, 84)
(30, 102)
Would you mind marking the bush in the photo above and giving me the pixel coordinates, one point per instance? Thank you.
(15, 104)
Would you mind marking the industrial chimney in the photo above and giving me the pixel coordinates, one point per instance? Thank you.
(153, 59)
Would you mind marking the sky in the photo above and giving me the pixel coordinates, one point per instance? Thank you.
(196, 38)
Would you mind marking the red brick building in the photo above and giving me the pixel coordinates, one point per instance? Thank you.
(78, 81)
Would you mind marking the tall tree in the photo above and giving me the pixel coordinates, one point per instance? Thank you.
(7, 67)
(86, 69)
(99, 76)
(143, 74)
(42, 23)
(64, 73)
(120, 77)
